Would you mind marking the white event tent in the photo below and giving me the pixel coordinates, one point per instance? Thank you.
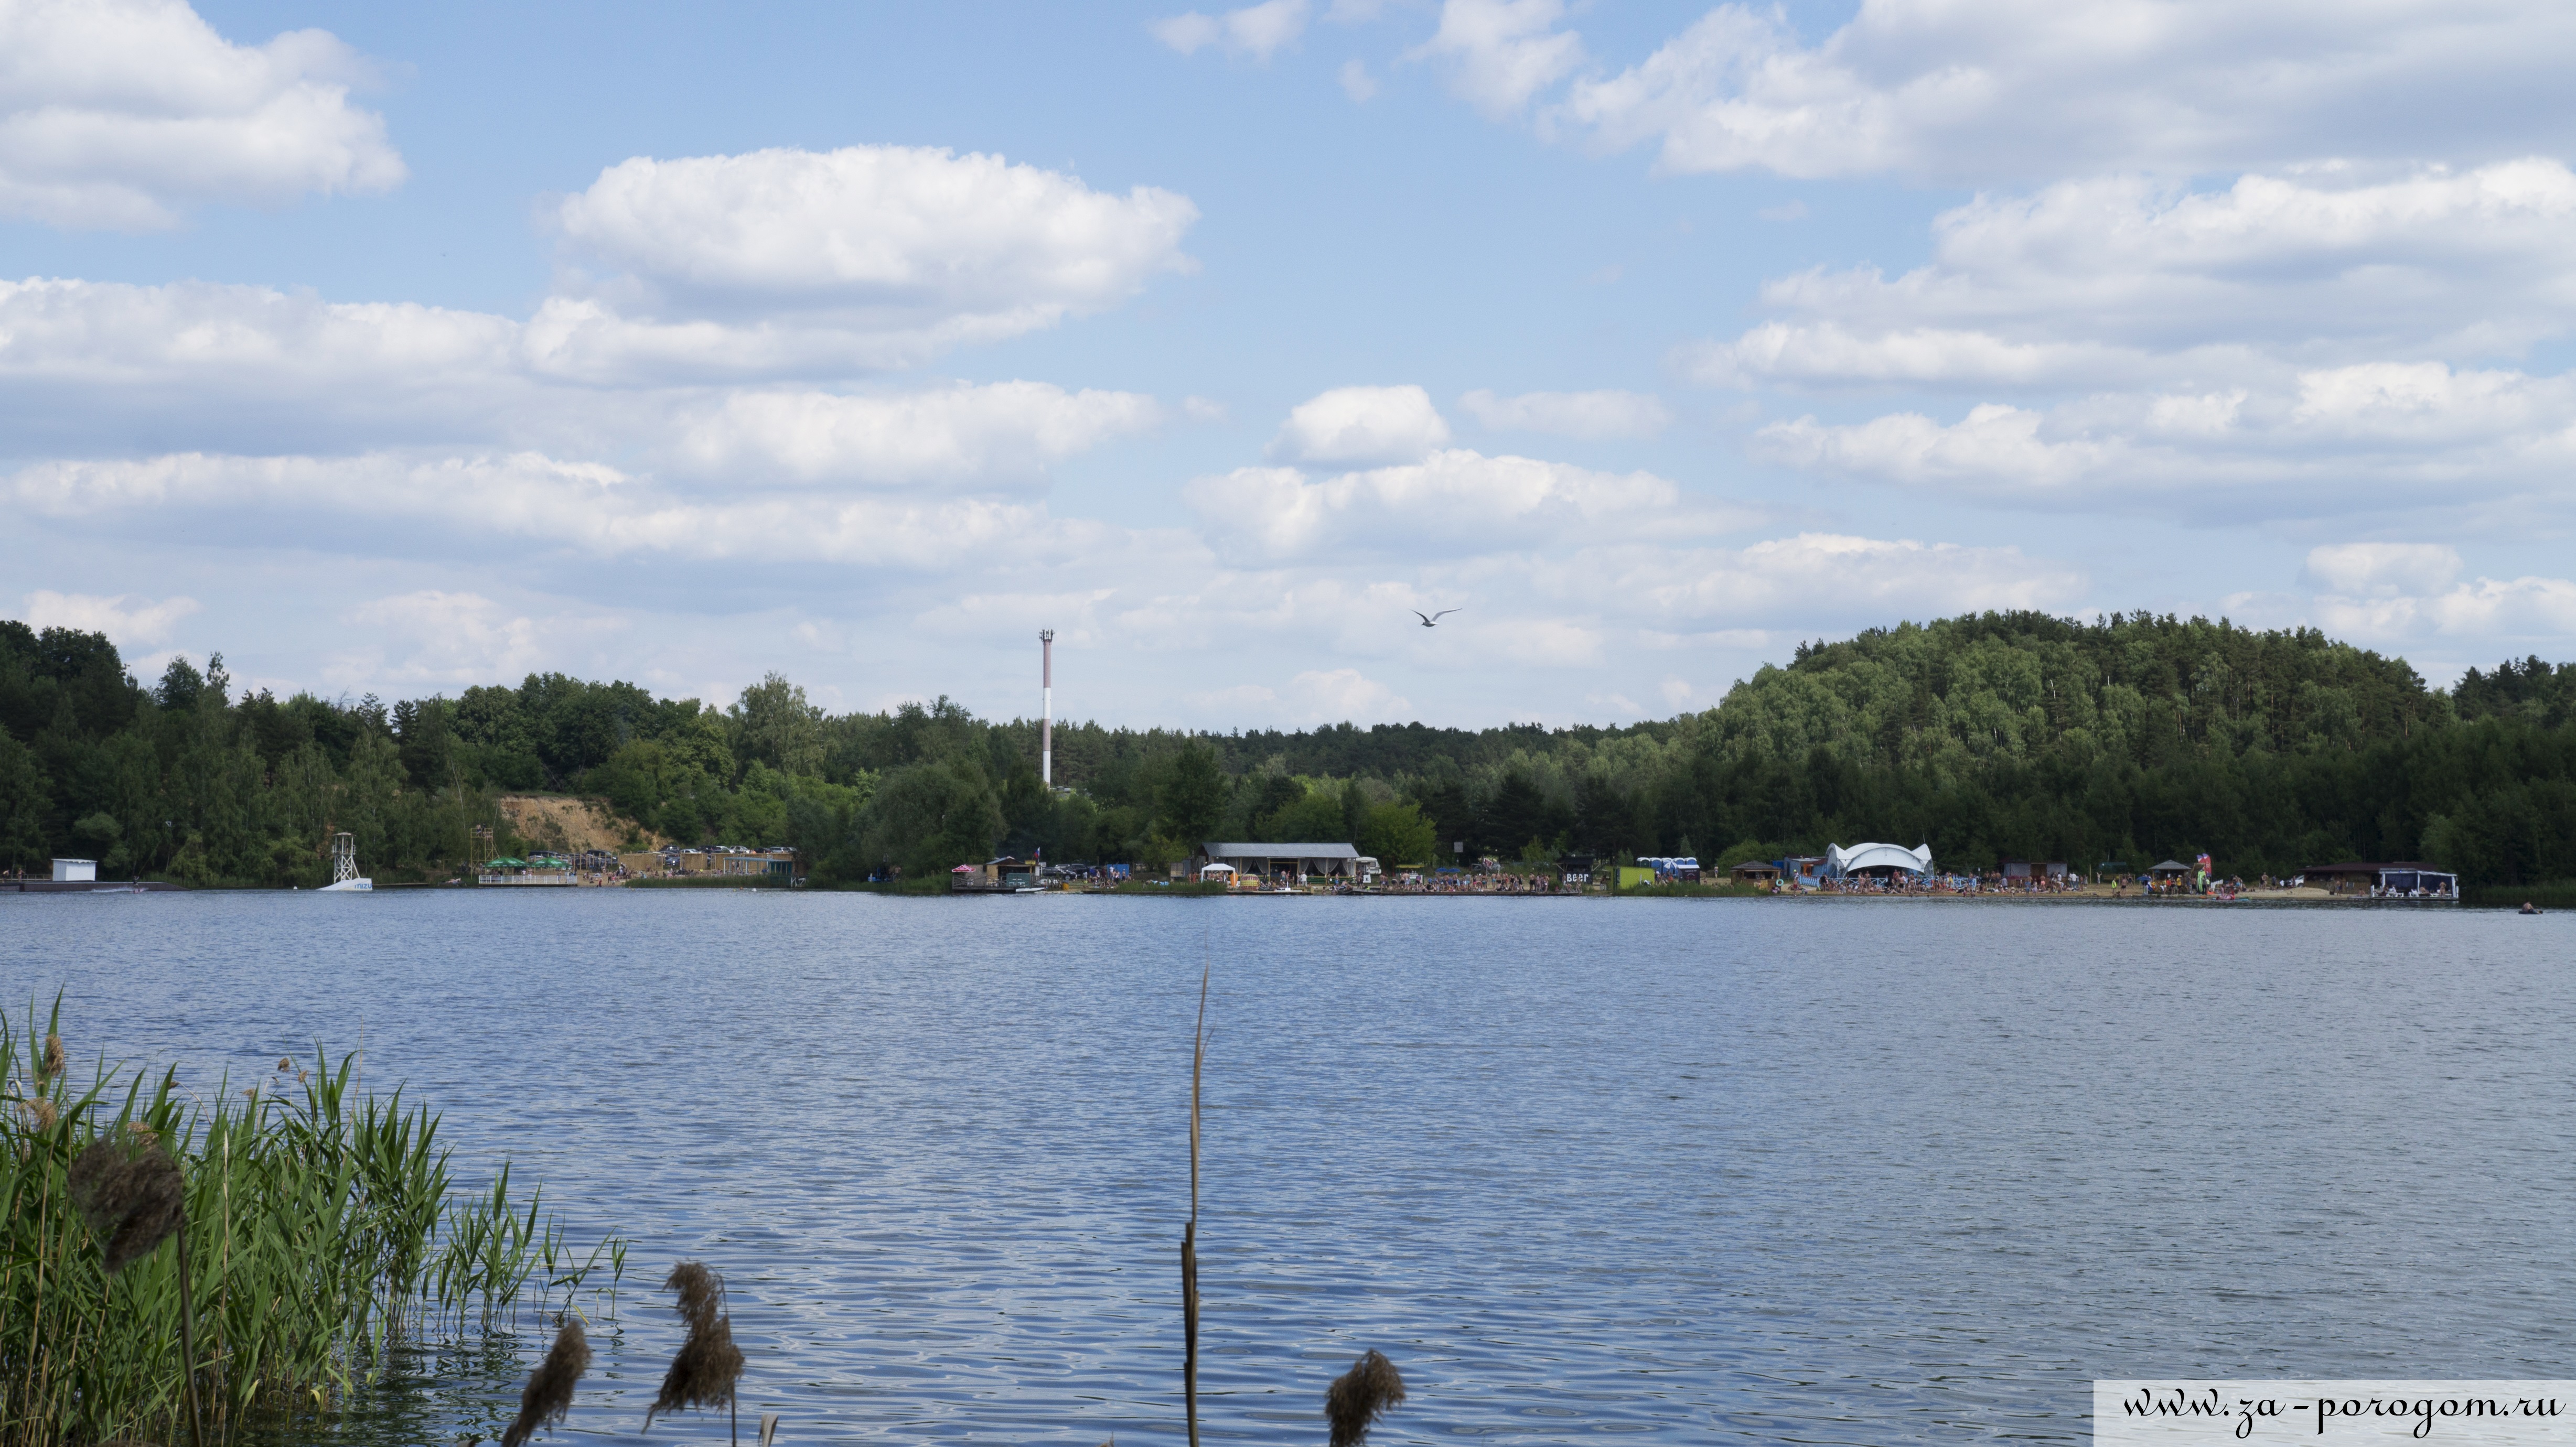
(1841, 862)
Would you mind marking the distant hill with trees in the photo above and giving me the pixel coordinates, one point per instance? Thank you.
(1989, 736)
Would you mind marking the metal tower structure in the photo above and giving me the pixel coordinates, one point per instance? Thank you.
(344, 858)
(1046, 692)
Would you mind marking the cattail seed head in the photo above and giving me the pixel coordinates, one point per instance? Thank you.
(703, 1373)
(700, 1293)
(1358, 1397)
(50, 1064)
(40, 1113)
(549, 1393)
(131, 1194)
(708, 1364)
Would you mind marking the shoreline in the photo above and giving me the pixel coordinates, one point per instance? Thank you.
(2089, 901)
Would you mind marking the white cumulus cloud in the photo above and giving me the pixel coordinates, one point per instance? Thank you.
(1502, 53)
(1456, 501)
(1821, 575)
(1995, 446)
(1255, 30)
(923, 248)
(1362, 424)
(1001, 431)
(442, 638)
(127, 620)
(472, 505)
(1828, 354)
(237, 366)
(2301, 342)
(1338, 694)
(2120, 276)
(2320, 444)
(1948, 90)
(123, 114)
(2497, 612)
(252, 370)
(2365, 569)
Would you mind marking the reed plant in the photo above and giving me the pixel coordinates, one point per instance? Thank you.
(708, 1367)
(318, 1231)
(1357, 1399)
(1190, 1231)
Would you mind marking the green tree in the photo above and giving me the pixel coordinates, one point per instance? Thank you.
(1314, 819)
(933, 816)
(367, 796)
(1396, 834)
(776, 726)
(23, 796)
(1190, 801)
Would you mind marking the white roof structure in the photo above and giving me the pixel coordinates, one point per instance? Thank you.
(1839, 860)
(1301, 858)
(1279, 851)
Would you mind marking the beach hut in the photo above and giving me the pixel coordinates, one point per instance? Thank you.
(993, 876)
(2400, 877)
(1755, 871)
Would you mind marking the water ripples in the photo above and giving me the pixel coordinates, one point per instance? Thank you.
(1823, 1172)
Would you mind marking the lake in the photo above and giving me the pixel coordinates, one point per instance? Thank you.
(1825, 1171)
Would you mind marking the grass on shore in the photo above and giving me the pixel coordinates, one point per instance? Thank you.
(320, 1230)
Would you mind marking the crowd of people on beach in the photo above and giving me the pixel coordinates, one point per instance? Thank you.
(1900, 882)
(1483, 883)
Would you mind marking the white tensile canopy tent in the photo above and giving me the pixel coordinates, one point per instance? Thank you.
(1863, 857)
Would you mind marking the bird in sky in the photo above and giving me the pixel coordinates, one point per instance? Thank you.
(1432, 620)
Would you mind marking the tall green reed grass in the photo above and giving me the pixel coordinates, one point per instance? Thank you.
(323, 1231)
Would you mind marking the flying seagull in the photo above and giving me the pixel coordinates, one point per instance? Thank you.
(1432, 620)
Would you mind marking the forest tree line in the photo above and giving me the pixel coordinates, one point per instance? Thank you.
(1993, 736)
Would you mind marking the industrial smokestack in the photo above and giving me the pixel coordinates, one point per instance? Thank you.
(1046, 688)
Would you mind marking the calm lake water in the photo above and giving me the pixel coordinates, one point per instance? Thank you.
(1813, 1171)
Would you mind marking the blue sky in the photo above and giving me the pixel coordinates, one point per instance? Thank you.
(396, 349)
